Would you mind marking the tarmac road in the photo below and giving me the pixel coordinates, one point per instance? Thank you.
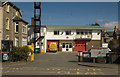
(58, 64)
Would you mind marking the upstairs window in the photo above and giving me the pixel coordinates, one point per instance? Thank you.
(68, 32)
(24, 29)
(16, 27)
(16, 13)
(86, 33)
(8, 8)
(90, 32)
(56, 32)
(7, 23)
(82, 33)
(16, 41)
(77, 32)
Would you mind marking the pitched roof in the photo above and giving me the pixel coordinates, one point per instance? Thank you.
(10, 3)
(16, 18)
(73, 27)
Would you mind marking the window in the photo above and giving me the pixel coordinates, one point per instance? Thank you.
(78, 32)
(68, 32)
(90, 32)
(24, 41)
(86, 33)
(24, 29)
(106, 40)
(63, 46)
(98, 33)
(16, 13)
(56, 32)
(7, 37)
(8, 8)
(16, 27)
(16, 41)
(82, 33)
(7, 23)
(70, 45)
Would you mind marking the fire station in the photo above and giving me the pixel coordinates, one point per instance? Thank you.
(69, 38)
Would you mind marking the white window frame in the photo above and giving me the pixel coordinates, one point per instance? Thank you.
(24, 41)
(58, 32)
(8, 8)
(25, 28)
(16, 13)
(7, 23)
(15, 27)
(69, 33)
(16, 41)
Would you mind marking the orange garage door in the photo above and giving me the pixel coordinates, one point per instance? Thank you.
(80, 45)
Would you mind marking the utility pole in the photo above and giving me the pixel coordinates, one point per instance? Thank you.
(37, 22)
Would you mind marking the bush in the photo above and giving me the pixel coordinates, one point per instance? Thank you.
(20, 53)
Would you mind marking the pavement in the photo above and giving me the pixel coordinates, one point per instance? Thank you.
(58, 64)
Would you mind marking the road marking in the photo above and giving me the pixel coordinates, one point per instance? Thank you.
(48, 69)
(99, 69)
(68, 73)
(93, 69)
(88, 69)
(78, 73)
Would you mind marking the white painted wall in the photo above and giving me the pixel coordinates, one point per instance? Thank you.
(96, 35)
(49, 35)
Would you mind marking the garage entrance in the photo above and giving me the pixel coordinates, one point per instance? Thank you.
(52, 45)
(80, 45)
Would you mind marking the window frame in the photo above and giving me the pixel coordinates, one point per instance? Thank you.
(8, 8)
(7, 23)
(69, 32)
(24, 28)
(24, 41)
(16, 41)
(16, 24)
(57, 32)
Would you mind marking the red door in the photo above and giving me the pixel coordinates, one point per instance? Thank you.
(50, 41)
(80, 45)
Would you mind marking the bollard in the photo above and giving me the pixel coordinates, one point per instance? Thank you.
(80, 56)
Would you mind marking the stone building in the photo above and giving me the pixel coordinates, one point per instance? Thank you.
(1, 22)
(14, 27)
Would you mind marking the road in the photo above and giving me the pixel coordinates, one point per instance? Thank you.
(57, 64)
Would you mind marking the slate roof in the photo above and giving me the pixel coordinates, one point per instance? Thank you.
(16, 18)
(73, 27)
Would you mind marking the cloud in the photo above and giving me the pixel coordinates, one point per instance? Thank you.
(110, 25)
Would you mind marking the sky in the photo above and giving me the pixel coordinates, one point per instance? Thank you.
(73, 13)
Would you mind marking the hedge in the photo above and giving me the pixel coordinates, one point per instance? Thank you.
(20, 53)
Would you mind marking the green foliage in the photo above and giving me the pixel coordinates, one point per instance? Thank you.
(20, 53)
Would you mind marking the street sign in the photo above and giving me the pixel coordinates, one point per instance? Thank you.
(97, 53)
(5, 56)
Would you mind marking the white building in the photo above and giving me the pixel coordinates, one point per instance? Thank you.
(68, 37)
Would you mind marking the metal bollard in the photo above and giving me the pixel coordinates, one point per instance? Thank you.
(80, 56)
